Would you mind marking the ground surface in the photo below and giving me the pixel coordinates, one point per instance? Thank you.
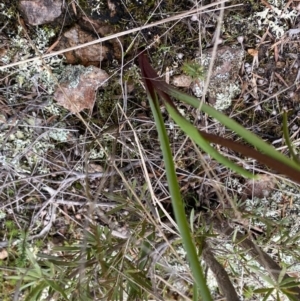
(84, 204)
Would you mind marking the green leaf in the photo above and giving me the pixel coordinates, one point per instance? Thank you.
(288, 283)
(233, 125)
(57, 288)
(195, 135)
(262, 290)
(268, 294)
(290, 295)
(177, 202)
(35, 293)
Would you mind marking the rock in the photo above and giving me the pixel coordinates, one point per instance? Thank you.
(104, 29)
(78, 86)
(223, 85)
(38, 12)
(260, 188)
(3, 254)
(91, 55)
(182, 80)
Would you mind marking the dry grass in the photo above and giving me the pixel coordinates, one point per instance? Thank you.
(84, 200)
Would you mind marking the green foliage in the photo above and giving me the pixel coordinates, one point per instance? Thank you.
(21, 260)
(12, 229)
(40, 279)
(99, 257)
(265, 154)
(177, 202)
(194, 70)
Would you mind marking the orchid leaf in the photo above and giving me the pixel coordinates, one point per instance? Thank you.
(266, 153)
(177, 202)
(251, 138)
(196, 136)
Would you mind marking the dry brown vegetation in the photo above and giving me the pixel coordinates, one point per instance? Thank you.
(85, 211)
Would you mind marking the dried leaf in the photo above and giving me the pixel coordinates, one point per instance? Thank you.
(253, 52)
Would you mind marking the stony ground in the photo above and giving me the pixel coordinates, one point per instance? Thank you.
(81, 169)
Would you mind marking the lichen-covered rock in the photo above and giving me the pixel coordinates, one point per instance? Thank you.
(78, 86)
(223, 84)
(38, 12)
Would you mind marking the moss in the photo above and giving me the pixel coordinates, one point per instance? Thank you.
(8, 15)
(84, 5)
(106, 102)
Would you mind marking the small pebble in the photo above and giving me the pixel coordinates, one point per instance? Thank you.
(248, 69)
(261, 81)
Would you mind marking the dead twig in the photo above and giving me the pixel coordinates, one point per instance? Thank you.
(220, 274)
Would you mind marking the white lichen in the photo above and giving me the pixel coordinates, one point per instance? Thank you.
(24, 149)
(223, 100)
(97, 6)
(97, 154)
(53, 108)
(2, 214)
(198, 87)
(24, 144)
(43, 35)
(275, 18)
(33, 74)
(59, 135)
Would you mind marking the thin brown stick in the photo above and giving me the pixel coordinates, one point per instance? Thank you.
(123, 33)
(220, 274)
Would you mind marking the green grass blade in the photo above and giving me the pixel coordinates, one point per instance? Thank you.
(195, 135)
(177, 202)
(36, 292)
(266, 154)
(56, 288)
(234, 126)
